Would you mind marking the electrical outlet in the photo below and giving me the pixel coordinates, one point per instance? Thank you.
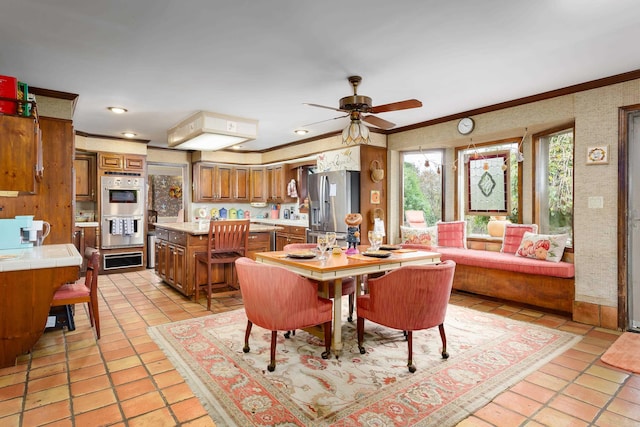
(595, 202)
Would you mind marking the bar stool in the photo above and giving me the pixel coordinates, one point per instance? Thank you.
(228, 241)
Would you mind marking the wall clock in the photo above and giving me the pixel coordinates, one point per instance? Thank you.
(465, 126)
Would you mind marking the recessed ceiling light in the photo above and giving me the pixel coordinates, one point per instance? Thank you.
(128, 134)
(301, 131)
(117, 110)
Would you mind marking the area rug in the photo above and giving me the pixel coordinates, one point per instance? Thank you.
(488, 354)
(623, 353)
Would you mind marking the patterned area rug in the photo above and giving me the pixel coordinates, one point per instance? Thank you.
(488, 354)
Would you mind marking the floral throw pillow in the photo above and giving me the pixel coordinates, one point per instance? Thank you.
(452, 234)
(548, 247)
(513, 236)
(418, 236)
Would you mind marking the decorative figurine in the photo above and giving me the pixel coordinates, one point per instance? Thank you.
(353, 221)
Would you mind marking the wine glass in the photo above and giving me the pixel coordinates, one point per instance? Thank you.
(377, 239)
(371, 240)
(322, 247)
(331, 240)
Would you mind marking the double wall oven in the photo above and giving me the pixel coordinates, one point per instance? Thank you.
(122, 219)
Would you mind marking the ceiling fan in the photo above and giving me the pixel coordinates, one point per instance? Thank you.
(359, 107)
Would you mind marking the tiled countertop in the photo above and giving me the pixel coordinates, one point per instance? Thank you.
(195, 229)
(294, 222)
(46, 256)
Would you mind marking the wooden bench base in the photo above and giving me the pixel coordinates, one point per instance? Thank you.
(549, 292)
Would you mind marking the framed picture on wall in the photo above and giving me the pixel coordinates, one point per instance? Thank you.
(598, 155)
(375, 197)
(488, 184)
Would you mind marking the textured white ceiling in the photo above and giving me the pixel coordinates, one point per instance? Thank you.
(166, 59)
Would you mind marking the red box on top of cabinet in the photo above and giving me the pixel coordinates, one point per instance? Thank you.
(8, 89)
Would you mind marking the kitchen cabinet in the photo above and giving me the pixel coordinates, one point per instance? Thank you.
(276, 183)
(220, 183)
(20, 154)
(176, 249)
(258, 184)
(290, 234)
(121, 162)
(85, 169)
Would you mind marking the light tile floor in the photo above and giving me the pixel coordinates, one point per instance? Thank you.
(125, 380)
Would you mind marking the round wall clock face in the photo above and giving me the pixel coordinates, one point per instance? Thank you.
(465, 126)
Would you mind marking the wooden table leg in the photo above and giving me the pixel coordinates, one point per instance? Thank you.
(337, 317)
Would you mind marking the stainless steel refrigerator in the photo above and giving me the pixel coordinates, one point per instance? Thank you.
(332, 195)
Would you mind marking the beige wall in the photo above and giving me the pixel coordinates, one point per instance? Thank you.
(596, 122)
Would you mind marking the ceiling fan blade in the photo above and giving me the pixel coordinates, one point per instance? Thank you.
(377, 121)
(323, 106)
(322, 121)
(394, 106)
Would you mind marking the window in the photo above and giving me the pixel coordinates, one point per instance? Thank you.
(553, 172)
(422, 183)
(488, 184)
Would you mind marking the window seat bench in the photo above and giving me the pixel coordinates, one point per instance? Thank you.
(545, 284)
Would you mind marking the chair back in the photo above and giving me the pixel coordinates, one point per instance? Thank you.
(93, 267)
(415, 219)
(152, 217)
(276, 298)
(412, 297)
(299, 246)
(228, 236)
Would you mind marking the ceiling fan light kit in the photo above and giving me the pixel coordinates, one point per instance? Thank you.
(355, 105)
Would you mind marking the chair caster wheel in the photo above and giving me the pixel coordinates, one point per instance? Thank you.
(287, 334)
(362, 350)
(246, 349)
(445, 355)
(350, 319)
(325, 355)
(271, 367)
(412, 369)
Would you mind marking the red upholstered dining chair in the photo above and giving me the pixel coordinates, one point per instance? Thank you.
(280, 300)
(228, 241)
(409, 299)
(83, 290)
(348, 283)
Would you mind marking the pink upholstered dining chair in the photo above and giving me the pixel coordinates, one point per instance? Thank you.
(409, 299)
(83, 290)
(280, 300)
(348, 283)
(227, 241)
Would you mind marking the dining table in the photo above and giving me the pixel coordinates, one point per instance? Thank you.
(338, 265)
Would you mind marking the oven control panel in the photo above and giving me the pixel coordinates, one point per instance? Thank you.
(122, 182)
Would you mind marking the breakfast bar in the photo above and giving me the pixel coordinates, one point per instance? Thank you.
(28, 279)
(178, 242)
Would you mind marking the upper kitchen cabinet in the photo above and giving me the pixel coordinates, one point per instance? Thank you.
(278, 177)
(85, 168)
(258, 183)
(220, 183)
(121, 162)
(20, 154)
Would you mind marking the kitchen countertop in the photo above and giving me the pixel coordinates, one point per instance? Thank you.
(46, 256)
(294, 222)
(194, 227)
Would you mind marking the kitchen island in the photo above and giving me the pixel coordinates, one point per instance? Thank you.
(28, 279)
(178, 242)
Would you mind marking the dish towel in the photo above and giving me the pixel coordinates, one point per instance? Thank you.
(116, 226)
(292, 191)
(128, 226)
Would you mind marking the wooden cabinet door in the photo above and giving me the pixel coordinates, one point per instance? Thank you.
(159, 257)
(276, 178)
(203, 182)
(85, 168)
(258, 184)
(223, 183)
(179, 268)
(162, 259)
(241, 184)
(281, 241)
(19, 156)
(134, 163)
(111, 161)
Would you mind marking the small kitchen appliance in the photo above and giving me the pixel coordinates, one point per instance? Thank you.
(15, 232)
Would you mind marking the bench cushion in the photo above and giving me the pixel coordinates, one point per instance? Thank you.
(506, 262)
(513, 236)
